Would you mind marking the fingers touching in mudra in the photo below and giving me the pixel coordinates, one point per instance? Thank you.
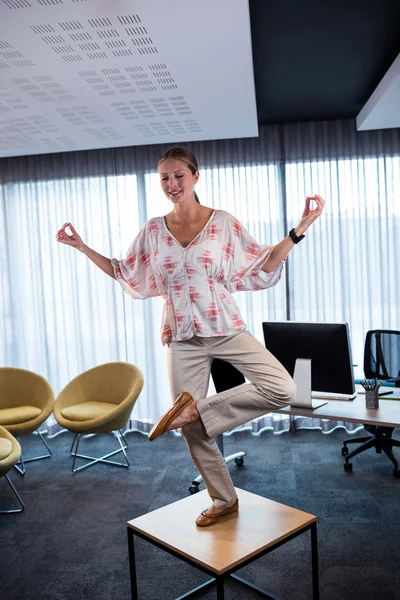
(311, 214)
(320, 205)
(68, 235)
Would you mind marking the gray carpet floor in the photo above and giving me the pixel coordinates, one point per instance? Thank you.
(70, 542)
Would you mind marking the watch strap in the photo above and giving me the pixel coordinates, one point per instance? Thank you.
(296, 238)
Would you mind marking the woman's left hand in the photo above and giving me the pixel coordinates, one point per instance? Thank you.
(310, 215)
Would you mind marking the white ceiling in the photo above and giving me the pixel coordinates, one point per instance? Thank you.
(382, 111)
(84, 74)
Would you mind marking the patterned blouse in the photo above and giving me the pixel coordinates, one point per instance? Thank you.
(196, 281)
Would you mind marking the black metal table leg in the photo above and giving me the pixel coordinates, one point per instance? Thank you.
(314, 561)
(132, 565)
(220, 588)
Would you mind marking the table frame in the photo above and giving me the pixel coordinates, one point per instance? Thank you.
(218, 580)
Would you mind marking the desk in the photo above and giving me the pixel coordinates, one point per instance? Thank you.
(387, 415)
(354, 411)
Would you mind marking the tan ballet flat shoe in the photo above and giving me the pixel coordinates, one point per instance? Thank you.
(161, 426)
(204, 520)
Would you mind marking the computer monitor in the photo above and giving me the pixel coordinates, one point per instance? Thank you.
(326, 344)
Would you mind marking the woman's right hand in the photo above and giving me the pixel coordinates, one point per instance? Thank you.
(73, 240)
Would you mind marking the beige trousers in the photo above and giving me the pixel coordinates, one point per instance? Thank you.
(271, 387)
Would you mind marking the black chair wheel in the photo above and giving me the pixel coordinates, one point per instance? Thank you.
(239, 461)
(396, 473)
(348, 467)
(345, 451)
(194, 489)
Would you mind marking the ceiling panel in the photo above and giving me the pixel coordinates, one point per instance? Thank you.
(84, 74)
(382, 111)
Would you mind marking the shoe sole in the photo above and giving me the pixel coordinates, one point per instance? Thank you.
(164, 422)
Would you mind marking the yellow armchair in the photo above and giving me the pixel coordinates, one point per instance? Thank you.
(99, 400)
(26, 401)
(10, 452)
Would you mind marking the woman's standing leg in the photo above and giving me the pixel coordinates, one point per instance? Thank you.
(189, 366)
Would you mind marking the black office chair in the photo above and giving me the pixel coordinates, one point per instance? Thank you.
(381, 361)
(225, 377)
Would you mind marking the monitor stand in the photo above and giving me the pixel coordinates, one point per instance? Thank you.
(302, 379)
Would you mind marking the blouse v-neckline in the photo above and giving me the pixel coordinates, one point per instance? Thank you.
(195, 237)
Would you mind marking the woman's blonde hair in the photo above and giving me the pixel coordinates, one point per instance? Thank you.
(183, 154)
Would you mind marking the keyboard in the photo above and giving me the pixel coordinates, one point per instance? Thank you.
(333, 396)
(383, 391)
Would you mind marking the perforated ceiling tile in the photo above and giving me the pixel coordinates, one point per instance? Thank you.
(143, 109)
(11, 101)
(49, 2)
(43, 88)
(144, 130)
(161, 107)
(11, 57)
(80, 74)
(192, 125)
(180, 105)
(17, 4)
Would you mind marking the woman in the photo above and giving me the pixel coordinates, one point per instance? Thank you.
(195, 258)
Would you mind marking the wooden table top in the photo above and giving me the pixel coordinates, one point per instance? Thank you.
(354, 411)
(257, 525)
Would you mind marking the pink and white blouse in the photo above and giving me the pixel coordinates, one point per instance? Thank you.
(196, 281)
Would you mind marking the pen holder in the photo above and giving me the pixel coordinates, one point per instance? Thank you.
(372, 399)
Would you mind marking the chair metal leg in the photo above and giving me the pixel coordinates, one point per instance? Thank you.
(21, 469)
(15, 510)
(370, 444)
(382, 442)
(44, 441)
(20, 466)
(358, 440)
(119, 435)
(75, 450)
(124, 438)
(73, 444)
(387, 449)
(103, 459)
(395, 443)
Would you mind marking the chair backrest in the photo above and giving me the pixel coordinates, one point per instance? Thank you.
(225, 376)
(108, 382)
(20, 386)
(382, 355)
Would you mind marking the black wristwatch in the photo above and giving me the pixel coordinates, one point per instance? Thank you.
(296, 238)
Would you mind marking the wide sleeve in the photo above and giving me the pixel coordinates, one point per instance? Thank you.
(135, 273)
(246, 258)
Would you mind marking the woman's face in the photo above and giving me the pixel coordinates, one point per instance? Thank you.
(177, 180)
